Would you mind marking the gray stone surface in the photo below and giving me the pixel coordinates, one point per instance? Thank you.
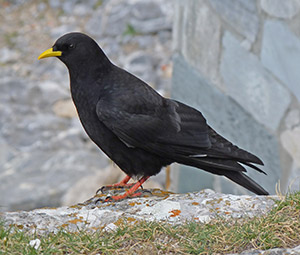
(150, 26)
(161, 206)
(197, 32)
(290, 139)
(241, 15)
(230, 120)
(280, 53)
(294, 178)
(118, 17)
(8, 55)
(142, 65)
(286, 9)
(146, 9)
(248, 83)
(42, 154)
(276, 251)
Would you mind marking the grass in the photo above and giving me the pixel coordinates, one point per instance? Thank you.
(130, 30)
(280, 228)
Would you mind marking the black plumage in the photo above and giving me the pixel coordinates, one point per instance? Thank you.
(137, 128)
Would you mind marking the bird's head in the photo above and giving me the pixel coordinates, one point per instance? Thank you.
(76, 50)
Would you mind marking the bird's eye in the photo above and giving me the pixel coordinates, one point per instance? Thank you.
(71, 46)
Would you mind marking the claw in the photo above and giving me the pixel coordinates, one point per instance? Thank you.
(118, 185)
(132, 192)
(100, 189)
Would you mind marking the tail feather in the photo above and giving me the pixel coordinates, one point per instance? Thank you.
(254, 167)
(229, 168)
(245, 181)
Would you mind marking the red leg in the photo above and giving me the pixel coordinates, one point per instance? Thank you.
(122, 183)
(131, 191)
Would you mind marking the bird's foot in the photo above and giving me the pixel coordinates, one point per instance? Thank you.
(104, 189)
(138, 193)
(119, 185)
(133, 191)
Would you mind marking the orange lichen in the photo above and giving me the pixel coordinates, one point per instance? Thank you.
(119, 222)
(195, 203)
(130, 219)
(75, 221)
(175, 213)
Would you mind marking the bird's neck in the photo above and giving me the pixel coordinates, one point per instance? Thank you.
(83, 73)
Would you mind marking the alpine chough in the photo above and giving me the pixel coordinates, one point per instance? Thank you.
(137, 128)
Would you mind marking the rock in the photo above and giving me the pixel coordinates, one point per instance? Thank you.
(144, 41)
(293, 183)
(63, 29)
(52, 91)
(145, 10)
(8, 56)
(241, 67)
(241, 15)
(6, 152)
(292, 119)
(290, 140)
(94, 24)
(115, 20)
(39, 146)
(41, 7)
(68, 6)
(277, 251)
(81, 10)
(164, 36)
(198, 41)
(150, 26)
(280, 53)
(65, 108)
(54, 4)
(160, 206)
(281, 9)
(29, 184)
(35, 243)
(142, 65)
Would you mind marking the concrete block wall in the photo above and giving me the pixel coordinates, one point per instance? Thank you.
(238, 62)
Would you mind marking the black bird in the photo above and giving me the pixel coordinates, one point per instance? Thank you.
(137, 128)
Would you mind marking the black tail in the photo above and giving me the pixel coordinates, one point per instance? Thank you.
(232, 169)
(245, 181)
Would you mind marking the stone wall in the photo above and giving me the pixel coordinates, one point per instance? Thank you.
(239, 63)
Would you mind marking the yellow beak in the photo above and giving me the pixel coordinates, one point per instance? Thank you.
(49, 53)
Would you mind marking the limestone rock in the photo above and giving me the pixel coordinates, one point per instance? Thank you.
(291, 142)
(65, 108)
(161, 206)
(241, 15)
(280, 54)
(277, 251)
(198, 41)
(259, 92)
(286, 9)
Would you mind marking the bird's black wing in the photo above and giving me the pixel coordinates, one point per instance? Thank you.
(154, 123)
